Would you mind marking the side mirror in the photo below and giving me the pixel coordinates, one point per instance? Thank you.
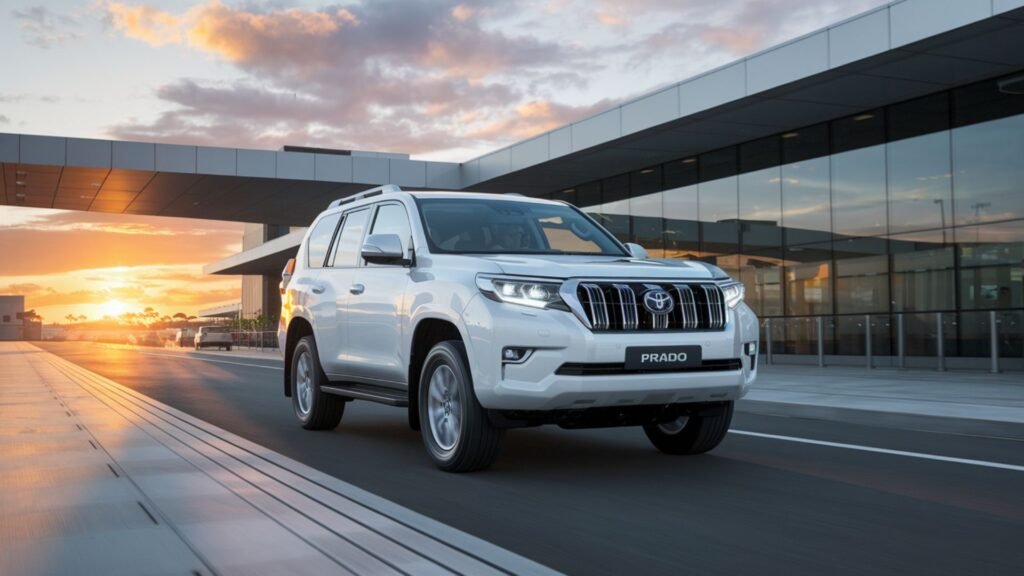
(637, 251)
(383, 249)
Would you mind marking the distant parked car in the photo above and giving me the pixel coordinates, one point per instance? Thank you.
(213, 336)
(184, 337)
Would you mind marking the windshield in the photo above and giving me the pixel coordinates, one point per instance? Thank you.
(503, 226)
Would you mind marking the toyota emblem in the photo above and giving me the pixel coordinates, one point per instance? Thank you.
(658, 301)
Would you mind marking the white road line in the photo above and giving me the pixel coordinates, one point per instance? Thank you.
(919, 455)
(186, 357)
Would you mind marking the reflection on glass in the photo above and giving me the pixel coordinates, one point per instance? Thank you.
(809, 280)
(923, 274)
(681, 229)
(806, 208)
(760, 209)
(988, 178)
(718, 213)
(919, 183)
(991, 266)
(648, 224)
(762, 276)
(858, 192)
(862, 275)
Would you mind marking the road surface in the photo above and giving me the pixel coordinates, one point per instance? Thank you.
(779, 496)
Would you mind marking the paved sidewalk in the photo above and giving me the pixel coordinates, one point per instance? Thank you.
(969, 402)
(99, 479)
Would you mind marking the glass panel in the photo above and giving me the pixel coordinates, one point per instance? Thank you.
(760, 209)
(806, 207)
(718, 213)
(588, 197)
(923, 275)
(646, 211)
(762, 276)
(919, 183)
(805, 143)
(862, 275)
(800, 335)
(614, 209)
(988, 178)
(320, 240)
(392, 219)
(984, 101)
(921, 116)
(346, 249)
(682, 238)
(991, 266)
(858, 192)
(809, 280)
(858, 131)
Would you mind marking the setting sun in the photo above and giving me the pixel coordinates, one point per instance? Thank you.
(113, 308)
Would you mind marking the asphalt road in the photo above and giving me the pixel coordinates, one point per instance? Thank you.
(605, 502)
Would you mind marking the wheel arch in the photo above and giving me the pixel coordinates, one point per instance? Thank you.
(427, 333)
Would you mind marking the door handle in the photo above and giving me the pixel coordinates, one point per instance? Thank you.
(317, 289)
(357, 289)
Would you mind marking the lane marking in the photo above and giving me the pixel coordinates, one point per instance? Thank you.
(919, 455)
(187, 357)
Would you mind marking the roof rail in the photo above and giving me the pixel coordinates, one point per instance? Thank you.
(385, 189)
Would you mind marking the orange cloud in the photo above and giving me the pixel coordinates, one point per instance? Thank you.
(463, 12)
(735, 40)
(225, 31)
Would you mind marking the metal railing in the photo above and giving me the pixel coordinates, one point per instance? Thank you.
(980, 339)
(255, 340)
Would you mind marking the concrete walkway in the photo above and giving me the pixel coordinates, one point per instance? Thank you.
(968, 402)
(98, 479)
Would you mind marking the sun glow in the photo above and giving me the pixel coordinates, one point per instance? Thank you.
(113, 308)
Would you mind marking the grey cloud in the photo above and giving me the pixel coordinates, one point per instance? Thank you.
(42, 28)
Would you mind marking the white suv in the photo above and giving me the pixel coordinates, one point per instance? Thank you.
(482, 312)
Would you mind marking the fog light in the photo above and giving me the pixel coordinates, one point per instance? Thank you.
(514, 355)
(750, 348)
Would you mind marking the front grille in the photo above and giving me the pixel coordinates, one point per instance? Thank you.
(611, 306)
(619, 368)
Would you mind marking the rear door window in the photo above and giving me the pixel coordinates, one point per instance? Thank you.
(350, 239)
(320, 240)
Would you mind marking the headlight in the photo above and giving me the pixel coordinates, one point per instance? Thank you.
(733, 293)
(533, 293)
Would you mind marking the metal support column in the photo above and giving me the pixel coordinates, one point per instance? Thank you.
(900, 351)
(940, 344)
(993, 332)
(768, 340)
(821, 341)
(867, 340)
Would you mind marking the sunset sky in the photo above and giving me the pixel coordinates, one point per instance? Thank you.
(439, 80)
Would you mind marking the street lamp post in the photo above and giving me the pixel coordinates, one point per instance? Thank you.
(942, 215)
(977, 215)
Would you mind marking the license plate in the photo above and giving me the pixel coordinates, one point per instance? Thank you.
(662, 357)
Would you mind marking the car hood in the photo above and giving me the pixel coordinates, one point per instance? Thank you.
(597, 267)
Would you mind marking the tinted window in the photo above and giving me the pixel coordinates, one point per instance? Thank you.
(484, 226)
(346, 250)
(320, 240)
(392, 219)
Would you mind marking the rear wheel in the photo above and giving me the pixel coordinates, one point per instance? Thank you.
(456, 431)
(693, 434)
(315, 409)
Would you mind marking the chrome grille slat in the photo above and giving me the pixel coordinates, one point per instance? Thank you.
(627, 304)
(611, 306)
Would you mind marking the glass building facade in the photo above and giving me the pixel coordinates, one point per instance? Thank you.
(909, 209)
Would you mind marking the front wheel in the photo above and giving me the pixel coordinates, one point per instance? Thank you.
(315, 409)
(694, 434)
(456, 431)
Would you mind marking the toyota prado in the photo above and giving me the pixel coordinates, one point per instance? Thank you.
(485, 312)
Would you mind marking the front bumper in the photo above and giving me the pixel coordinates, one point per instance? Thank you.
(557, 338)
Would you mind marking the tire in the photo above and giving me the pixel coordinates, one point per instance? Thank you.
(698, 433)
(459, 437)
(316, 410)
